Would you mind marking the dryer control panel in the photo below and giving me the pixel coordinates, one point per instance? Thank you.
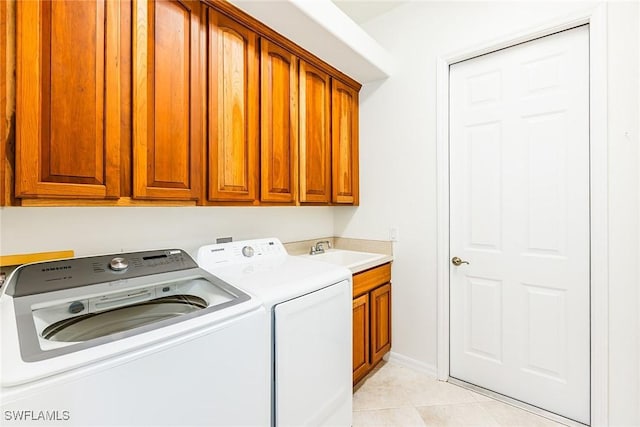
(240, 252)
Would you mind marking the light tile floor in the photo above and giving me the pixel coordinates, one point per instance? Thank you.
(396, 396)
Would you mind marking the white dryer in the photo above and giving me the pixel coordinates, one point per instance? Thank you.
(310, 304)
(134, 339)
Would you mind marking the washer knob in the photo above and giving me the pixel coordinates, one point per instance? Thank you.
(118, 264)
(76, 307)
(247, 251)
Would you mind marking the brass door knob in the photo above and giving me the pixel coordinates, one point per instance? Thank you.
(457, 261)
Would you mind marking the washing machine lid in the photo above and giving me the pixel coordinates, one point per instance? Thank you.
(56, 315)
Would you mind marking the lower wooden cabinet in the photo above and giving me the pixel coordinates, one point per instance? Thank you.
(380, 303)
(371, 319)
(361, 359)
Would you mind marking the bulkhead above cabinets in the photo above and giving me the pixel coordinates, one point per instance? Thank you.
(175, 103)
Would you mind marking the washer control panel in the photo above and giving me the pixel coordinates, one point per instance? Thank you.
(64, 274)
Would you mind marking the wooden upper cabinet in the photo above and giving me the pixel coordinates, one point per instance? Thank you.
(176, 101)
(167, 142)
(232, 73)
(315, 137)
(344, 143)
(279, 123)
(68, 99)
(6, 187)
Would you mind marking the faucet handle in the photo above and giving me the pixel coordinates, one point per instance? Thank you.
(322, 242)
(318, 247)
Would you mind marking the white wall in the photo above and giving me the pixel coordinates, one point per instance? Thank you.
(91, 231)
(398, 166)
(624, 119)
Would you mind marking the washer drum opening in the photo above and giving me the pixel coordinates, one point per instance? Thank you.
(96, 325)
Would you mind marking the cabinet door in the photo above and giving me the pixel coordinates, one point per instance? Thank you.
(380, 322)
(344, 143)
(361, 361)
(279, 123)
(232, 109)
(68, 99)
(315, 137)
(167, 142)
(5, 124)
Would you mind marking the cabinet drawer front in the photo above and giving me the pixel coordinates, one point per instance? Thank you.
(370, 279)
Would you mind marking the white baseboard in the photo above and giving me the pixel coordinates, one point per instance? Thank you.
(410, 363)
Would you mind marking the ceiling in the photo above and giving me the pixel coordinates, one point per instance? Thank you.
(327, 32)
(362, 11)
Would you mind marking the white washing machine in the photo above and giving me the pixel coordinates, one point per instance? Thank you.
(136, 339)
(310, 304)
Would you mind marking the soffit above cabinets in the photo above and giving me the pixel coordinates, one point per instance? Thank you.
(320, 27)
(362, 11)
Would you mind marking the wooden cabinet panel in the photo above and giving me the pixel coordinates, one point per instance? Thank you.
(344, 143)
(373, 289)
(370, 279)
(68, 99)
(361, 362)
(380, 306)
(167, 140)
(279, 123)
(129, 102)
(315, 137)
(232, 109)
(7, 58)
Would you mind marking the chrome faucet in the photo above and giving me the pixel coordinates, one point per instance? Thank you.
(319, 247)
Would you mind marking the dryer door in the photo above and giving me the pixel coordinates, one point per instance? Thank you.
(313, 358)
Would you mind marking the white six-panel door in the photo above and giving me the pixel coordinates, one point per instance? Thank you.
(519, 206)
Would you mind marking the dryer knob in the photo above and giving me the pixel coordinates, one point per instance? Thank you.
(247, 251)
(119, 264)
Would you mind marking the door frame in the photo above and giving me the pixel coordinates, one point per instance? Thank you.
(596, 18)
